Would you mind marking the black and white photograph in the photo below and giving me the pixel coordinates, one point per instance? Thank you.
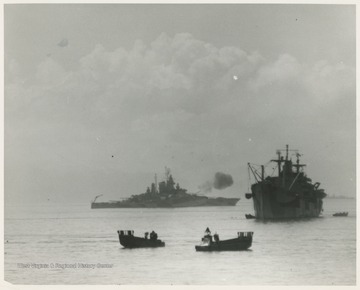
(205, 144)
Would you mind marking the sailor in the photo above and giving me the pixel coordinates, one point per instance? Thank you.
(153, 236)
(207, 235)
(146, 235)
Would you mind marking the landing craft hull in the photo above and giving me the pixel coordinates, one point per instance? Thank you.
(278, 204)
(132, 242)
(128, 240)
(227, 245)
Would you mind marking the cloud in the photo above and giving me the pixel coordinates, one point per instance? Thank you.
(284, 69)
(183, 73)
(50, 72)
(174, 100)
(63, 43)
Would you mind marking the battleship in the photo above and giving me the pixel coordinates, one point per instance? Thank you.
(290, 194)
(167, 195)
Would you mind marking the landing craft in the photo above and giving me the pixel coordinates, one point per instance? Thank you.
(128, 240)
(242, 242)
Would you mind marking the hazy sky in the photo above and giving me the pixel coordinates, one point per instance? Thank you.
(98, 98)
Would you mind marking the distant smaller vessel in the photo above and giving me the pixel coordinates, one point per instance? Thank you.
(242, 242)
(341, 214)
(128, 240)
(250, 216)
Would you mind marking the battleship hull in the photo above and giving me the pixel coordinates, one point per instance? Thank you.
(169, 203)
(270, 203)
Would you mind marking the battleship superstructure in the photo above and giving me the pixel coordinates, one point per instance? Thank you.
(290, 194)
(166, 194)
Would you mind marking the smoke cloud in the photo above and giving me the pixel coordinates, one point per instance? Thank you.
(220, 181)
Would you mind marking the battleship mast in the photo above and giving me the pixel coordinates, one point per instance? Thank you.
(156, 184)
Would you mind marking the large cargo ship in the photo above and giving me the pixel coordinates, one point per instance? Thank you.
(167, 195)
(290, 194)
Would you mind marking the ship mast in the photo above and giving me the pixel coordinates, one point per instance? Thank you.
(156, 184)
(298, 165)
(281, 159)
(167, 173)
(278, 161)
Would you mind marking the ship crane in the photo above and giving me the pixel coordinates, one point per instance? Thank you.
(96, 197)
(256, 174)
(279, 161)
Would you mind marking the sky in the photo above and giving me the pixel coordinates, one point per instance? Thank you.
(99, 98)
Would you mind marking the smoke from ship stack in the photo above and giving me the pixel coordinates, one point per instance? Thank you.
(220, 181)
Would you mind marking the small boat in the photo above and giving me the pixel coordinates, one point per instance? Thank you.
(128, 240)
(208, 244)
(249, 216)
(341, 214)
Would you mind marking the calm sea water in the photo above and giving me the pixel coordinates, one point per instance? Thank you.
(320, 251)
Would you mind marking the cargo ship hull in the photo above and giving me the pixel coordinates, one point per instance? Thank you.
(276, 204)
